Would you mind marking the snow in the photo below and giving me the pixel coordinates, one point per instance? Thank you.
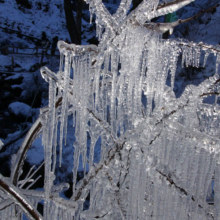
(1, 144)
(19, 108)
(35, 154)
(4, 61)
(34, 21)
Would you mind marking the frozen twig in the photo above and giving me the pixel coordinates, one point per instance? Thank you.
(15, 194)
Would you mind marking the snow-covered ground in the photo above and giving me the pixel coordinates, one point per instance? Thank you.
(35, 20)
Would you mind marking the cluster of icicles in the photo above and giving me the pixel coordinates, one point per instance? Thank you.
(149, 169)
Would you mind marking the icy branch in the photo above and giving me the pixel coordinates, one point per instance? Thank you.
(21, 155)
(145, 12)
(92, 174)
(4, 204)
(169, 8)
(76, 49)
(162, 27)
(18, 198)
(122, 10)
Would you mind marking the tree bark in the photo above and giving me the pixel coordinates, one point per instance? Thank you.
(71, 24)
(79, 17)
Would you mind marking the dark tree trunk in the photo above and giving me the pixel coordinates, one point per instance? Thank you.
(79, 16)
(75, 36)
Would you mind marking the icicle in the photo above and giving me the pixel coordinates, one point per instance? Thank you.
(217, 189)
(64, 102)
(217, 64)
(183, 57)
(76, 164)
(114, 71)
(55, 147)
(91, 14)
(173, 66)
(207, 52)
(196, 56)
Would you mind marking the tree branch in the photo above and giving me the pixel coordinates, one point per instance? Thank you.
(172, 182)
(209, 93)
(19, 198)
(168, 8)
(83, 183)
(171, 7)
(164, 27)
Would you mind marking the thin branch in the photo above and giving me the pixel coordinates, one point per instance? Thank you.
(205, 46)
(172, 183)
(172, 112)
(18, 197)
(169, 26)
(169, 8)
(21, 155)
(210, 93)
(83, 183)
(200, 14)
(4, 204)
(102, 124)
(77, 49)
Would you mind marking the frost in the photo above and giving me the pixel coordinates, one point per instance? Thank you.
(156, 157)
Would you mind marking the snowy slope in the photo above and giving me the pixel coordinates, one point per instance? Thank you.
(35, 20)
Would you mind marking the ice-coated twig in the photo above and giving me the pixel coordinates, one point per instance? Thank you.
(28, 176)
(122, 10)
(5, 203)
(34, 181)
(104, 125)
(169, 26)
(77, 49)
(81, 186)
(203, 46)
(26, 179)
(16, 195)
(162, 27)
(21, 155)
(146, 13)
(169, 8)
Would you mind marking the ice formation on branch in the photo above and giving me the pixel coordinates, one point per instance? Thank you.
(158, 152)
(138, 175)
